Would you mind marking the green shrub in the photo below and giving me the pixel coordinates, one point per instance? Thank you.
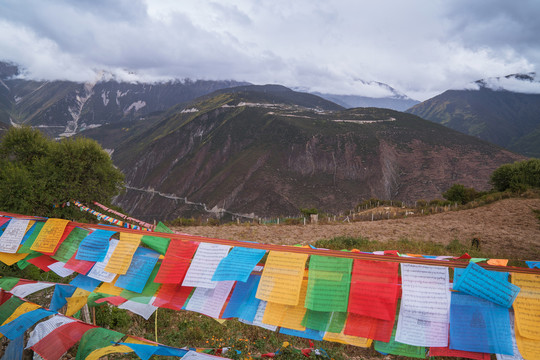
(460, 194)
(517, 177)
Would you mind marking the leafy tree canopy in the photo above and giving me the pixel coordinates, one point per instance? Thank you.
(38, 176)
(518, 176)
(460, 194)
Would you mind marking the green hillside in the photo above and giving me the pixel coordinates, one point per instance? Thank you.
(508, 119)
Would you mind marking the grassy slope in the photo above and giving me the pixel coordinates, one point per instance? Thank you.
(501, 117)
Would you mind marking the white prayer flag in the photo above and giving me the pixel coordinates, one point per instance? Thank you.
(13, 235)
(204, 264)
(425, 306)
(24, 290)
(210, 301)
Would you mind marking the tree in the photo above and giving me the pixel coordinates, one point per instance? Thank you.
(39, 176)
(460, 194)
(517, 176)
(307, 212)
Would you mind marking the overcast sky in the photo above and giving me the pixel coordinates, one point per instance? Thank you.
(421, 48)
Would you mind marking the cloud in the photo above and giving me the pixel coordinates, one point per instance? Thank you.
(420, 48)
(523, 83)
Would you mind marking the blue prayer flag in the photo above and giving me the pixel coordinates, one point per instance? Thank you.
(143, 262)
(94, 246)
(61, 292)
(85, 282)
(306, 334)
(500, 276)
(487, 285)
(479, 325)
(18, 326)
(243, 304)
(238, 264)
(14, 350)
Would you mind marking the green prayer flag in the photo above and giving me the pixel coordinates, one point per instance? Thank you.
(161, 227)
(22, 264)
(93, 297)
(396, 348)
(9, 307)
(329, 281)
(324, 321)
(25, 248)
(70, 245)
(148, 292)
(337, 322)
(156, 243)
(7, 283)
(94, 339)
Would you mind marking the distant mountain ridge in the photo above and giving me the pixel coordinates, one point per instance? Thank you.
(242, 150)
(399, 103)
(64, 108)
(507, 118)
(389, 98)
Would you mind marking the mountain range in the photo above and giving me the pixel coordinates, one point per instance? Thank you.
(256, 150)
(492, 112)
(64, 108)
(191, 147)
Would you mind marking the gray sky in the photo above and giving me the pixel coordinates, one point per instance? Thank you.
(421, 48)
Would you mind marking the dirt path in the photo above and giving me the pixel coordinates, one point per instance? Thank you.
(507, 228)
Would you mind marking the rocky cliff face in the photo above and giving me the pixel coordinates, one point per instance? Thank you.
(272, 159)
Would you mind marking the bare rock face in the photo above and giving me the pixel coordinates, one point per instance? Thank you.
(236, 157)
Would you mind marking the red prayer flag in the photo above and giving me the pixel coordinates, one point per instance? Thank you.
(80, 266)
(4, 296)
(176, 262)
(60, 340)
(172, 296)
(445, 351)
(113, 300)
(368, 327)
(42, 262)
(374, 289)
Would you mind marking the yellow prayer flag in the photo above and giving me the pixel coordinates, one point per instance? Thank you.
(76, 301)
(122, 255)
(528, 348)
(135, 340)
(287, 316)
(10, 259)
(49, 236)
(109, 288)
(347, 339)
(22, 309)
(111, 349)
(527, 305)
(282, 277)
